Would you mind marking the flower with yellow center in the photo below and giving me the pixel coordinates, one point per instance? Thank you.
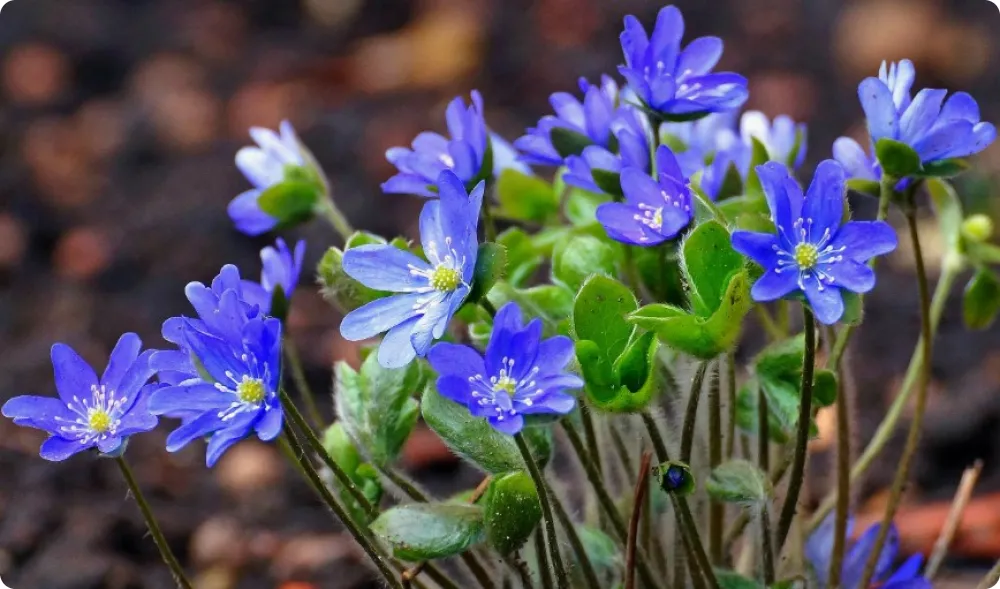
(251, 390)
(505, 384)
(806, 256)
(99, 421)
(445, 278)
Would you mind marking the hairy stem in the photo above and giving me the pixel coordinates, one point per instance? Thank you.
(638, 502)
(913, 437)
(716, 509)
(154, 527)
(295, 449)
(767, 545)
(691, 413)
(586, 567)
(336, 218)
(301, 383)
(559, 569)
(802, 433)
(843, 484)
(731, 408)
(313, 443)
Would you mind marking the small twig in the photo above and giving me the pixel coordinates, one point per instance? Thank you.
(962, 496)
(633, 524)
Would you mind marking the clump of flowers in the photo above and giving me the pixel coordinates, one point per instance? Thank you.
(608, 289)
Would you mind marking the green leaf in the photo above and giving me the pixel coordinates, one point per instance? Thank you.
(607, 181)
(825, 388)
(522, 256)
(746, 414)
(470, 437)
(629, 384)
(568, 142)
(944, 168)
(869, 187)
(376, 407)
(739, 481)
(854, 308)
(581, 206)
(600, 314)
(948, 209)
(733, 208)
(551, 303)
(289, 202)
(511, 511)
(525, 197)
(759, 156)
(581, 256)
(898, 159)
(732, 580)
(491, 262)
(779, 372)
(425, 531)
(709, 263)
(602, 551)
(341, 449)
(981, 301)
(983, 253)
(698, 336)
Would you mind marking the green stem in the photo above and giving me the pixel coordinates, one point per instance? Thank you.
(489, 225)
(294, 447)
(711, 206)
(606, 502)
(336, 218)
(544, 571)
(638, 502)
(408, 487)
(913, 437)
(767, 546)
(301, 383)
(763, 431)
(772, 328)
(691, 413)
(686, 521)
(802, 435)
(888, 426)
(843, 484)
(316, 447)
(587, 567)
(559, 569)
(154, 527)
(590, 436)
(716, 509)
(621, 449)
(488, 306)
(731, 400)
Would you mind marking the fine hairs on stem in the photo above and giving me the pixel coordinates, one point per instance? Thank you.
(913, 436)
(548, 520)
(638, 501)
(154, 527)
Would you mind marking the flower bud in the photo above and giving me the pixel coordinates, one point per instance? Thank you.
(977, 228)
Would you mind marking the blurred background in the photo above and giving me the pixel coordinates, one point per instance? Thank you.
(119, 120)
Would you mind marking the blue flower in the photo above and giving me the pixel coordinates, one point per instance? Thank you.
(677, 82)
(90, 413)
(654, 210)
(277, 158)
(590, 120)
(280, 267)
(521, 373)
(223, 379)
(784, 139)
(814, 252)
(464, 154)
(429, 292)
(937, 129)
(597, 168)
(709, 147)
(819, 549)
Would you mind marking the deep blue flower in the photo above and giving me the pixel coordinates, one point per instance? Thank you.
(431, 153)
(631, 131)
(280, 266)
(231, 390)
(673, 81)
(814, 252)
(819, 550)
(590, 119)
(521, 373)
(90, 413)
(429, 292)
(706, 148)
(654, 210)
(275, 158)
(937, 129)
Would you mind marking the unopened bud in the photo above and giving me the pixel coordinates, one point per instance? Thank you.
(977, 228)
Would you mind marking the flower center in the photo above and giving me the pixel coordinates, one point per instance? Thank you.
(806, 256)
(99, 421)
(251, 390)
(445, 279)
(505, 384)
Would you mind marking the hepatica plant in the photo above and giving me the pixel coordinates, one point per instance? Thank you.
(643, 281)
